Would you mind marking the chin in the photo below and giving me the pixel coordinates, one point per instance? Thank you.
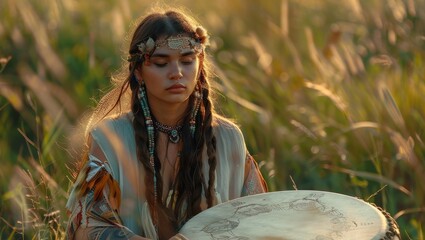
(178, 100)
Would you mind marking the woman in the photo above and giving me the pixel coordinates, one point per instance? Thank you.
(153, 165)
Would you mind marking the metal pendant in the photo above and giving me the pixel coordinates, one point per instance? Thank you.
(174, 136)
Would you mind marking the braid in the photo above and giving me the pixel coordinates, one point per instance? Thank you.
(211, 146)
(142, 149)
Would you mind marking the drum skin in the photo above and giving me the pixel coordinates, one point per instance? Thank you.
(298, 214)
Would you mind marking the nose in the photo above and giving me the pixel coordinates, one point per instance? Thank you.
(175, 71)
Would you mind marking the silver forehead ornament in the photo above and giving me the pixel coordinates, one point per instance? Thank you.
(182, 43)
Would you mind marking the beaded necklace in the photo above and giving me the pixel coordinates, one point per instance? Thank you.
(173, 133)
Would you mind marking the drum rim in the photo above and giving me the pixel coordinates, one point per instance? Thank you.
(392, 226)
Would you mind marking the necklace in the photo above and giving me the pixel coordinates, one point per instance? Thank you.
(172, 132)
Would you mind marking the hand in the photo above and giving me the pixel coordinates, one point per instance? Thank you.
(179, 237)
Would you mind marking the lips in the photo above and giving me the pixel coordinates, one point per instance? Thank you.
(177, 86)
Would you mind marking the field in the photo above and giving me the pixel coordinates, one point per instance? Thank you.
(328, 94)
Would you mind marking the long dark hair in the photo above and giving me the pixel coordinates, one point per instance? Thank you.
(190, 184)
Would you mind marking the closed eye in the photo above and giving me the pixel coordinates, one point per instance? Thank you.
(160, 64)
(187, 60)
(159, 61)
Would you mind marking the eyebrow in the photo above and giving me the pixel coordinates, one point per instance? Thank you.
(191, 52)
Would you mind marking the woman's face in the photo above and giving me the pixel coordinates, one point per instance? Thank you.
(170, 76)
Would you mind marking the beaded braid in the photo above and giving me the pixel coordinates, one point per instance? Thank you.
(141, 138)
(211, 147)
(198, 144)
(209, 137)
(151, 145)
(145, 142)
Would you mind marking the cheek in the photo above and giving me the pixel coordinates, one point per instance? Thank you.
(194, 71)
(150, 74)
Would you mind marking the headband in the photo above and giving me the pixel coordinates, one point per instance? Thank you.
(179, 42)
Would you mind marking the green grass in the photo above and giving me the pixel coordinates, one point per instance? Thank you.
(329, 96)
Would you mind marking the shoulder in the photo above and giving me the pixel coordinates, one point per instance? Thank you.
(227, 130)
(230, 145)
(115, 137)
(222, 124)
(117, 125)
(115, 121)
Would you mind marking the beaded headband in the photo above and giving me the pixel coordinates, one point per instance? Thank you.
(179, 42)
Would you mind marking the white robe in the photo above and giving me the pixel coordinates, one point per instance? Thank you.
(115, 137)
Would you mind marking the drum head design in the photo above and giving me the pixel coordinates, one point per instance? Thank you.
(300, 214)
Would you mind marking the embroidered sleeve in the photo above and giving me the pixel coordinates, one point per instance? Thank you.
(254, 182)
(96, 199)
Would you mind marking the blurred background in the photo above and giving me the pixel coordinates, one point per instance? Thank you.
(329, 95)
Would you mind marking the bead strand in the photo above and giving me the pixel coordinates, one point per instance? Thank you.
(197, 104)
(151, 138)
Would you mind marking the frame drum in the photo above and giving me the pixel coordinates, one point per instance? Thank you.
(298, 214)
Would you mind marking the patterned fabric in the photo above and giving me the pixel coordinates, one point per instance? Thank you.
(254, 181)
(95, 208)
(96, 166)
(108, 196)
(74, 220)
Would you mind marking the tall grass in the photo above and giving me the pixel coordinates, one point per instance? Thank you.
(328, 95)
